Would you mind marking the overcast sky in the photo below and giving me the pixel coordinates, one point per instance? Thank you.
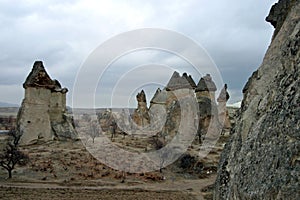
(64, 33)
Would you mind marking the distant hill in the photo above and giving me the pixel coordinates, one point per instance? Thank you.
(235, 105)
(4, 104)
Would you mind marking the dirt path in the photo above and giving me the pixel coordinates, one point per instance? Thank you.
(88, 194)
(183, 189)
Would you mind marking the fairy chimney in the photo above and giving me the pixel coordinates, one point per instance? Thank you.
(141, 114)
(42, 116)
(222, 110)
(206, 88)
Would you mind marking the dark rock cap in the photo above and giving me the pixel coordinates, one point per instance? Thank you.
(39, 78)
(160, 97)
(179, 82)
(224, 95)
(190, 80)
(141, 97)
(206, 84)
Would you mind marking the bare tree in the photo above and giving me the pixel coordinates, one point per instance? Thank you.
(94, 130)
(11, 155)
(86, 117)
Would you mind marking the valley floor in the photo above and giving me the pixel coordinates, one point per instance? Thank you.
(181, 190)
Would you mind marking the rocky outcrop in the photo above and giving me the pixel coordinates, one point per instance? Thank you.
(180, 82)
(278, 14)
(190, 80)
(158, 109)
(165, 103)
(222, 109)
(208, 110)
(206, 88)
(43, 116)
(105, 119)
(165, 110)
(262, 159)
(160, 97)
(141, 115)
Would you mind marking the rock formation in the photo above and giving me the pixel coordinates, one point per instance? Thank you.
(262, 159)
(190, 80)
(141, 115)
(158, 108)
(222, 110)
(208, 111)
(160, 97)
(165, 102)
(206, 88)
(180, 82)
(105, 119)
(165, 109)
(42, 116)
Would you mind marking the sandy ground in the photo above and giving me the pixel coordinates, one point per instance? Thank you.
(61, 171)
(185, 189)
(90, 194)
(65, 170)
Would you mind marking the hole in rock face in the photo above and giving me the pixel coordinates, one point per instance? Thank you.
(28, 122)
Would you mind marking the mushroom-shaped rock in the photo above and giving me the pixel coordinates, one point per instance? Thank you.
(178, 82)
(42, 116)
(224, 95)
(206, 84)
(222, 109)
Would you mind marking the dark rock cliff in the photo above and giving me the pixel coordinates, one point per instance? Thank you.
(262, 158)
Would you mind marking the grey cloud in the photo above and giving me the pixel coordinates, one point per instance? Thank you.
(63, 33)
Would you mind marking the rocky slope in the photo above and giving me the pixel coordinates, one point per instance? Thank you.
(262, 158)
